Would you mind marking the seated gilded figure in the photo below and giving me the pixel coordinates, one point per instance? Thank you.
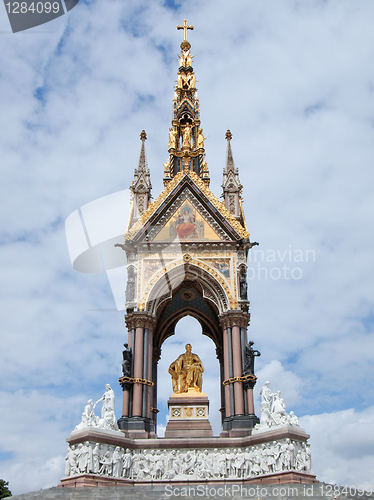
(186, 372)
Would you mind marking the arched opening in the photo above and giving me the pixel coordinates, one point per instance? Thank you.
(189, 330)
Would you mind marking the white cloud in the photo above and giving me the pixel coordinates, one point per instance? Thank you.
(342, 446)
(282, 380)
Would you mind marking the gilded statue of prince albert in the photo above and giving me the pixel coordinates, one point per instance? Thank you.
(186, 372)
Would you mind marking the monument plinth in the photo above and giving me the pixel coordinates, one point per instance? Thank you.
(188, 415)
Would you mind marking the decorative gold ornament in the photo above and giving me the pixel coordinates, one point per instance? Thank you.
(185, 27)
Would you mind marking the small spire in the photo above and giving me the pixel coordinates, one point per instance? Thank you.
(141, 185)
(232, 188)
(229, 159)
(142, 166)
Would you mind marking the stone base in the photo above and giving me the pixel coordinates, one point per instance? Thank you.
(186, 461)
(93, 480)
(239, 425)
(185, 428)
(137, 427)
(188, 416)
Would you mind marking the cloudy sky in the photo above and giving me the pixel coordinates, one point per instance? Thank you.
(294, 81)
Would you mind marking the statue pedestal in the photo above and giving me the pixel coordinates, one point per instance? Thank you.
(188, 415)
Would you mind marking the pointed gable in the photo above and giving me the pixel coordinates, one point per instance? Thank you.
(189, 189)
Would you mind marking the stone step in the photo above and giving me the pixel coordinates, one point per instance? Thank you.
(316, 491)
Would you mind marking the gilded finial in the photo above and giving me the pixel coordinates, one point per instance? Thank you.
(228, 135)
(185, 45)
(185, 27)
(143, 136)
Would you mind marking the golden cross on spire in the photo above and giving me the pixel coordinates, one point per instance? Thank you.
(185, 27)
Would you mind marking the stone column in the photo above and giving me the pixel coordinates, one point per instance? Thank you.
(243, 342)
(251, 406)
(238, 370)
(145, 372)
(231, 370)
(138, 370)
(127, 387)
(226, 388)
(240, 419)
(136, 421)
(156, 355)
(150, 372)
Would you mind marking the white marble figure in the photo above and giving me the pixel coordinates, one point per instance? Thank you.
(278, 415)
(88, 417)
(127, 462)
(71, 462)
(117, 462)
(266, 394)
(108, 419)
(293, 420)
(273, 410)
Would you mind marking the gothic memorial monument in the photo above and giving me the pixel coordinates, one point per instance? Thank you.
(187, 255)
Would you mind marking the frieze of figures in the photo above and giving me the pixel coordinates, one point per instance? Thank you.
(152, 465)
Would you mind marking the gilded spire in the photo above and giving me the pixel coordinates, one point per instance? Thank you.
(186, 137)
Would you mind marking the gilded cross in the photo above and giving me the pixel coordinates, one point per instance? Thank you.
(185, 27)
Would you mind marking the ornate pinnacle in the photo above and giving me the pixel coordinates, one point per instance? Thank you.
(228, 135)
(143, 136)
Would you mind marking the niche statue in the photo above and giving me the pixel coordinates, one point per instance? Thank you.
(186, 372)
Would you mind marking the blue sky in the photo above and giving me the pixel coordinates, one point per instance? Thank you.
(294, 82)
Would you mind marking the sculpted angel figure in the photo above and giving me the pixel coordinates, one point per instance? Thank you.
(201, 138)
(192, 81)
(187, 134)
(172, 138)
(186, 372)
(185, 59)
